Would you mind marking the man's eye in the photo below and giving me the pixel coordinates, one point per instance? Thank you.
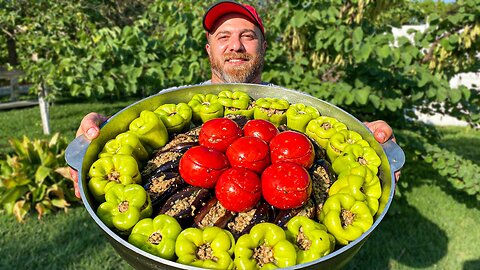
(248, 36)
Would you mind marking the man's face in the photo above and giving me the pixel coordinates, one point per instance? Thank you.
(236, 50)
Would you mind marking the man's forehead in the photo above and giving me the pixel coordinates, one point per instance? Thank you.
(234, 21)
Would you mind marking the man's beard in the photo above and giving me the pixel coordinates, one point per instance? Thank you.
(245, 73)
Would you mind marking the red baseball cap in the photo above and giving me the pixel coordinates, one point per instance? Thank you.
(226, 7)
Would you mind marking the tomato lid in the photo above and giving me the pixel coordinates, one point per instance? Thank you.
(207, 157)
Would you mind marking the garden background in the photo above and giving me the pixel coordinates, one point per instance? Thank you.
(78, 56)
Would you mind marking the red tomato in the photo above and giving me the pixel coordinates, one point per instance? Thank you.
(202, 166)
(249, 152)
(292, 146)
(286, 185)
(261, 129)
(219, 133)
(238, 189)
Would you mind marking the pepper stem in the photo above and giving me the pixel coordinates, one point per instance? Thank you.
(347, 217)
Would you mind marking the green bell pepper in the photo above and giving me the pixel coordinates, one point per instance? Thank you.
(110, 170)
(311, 238)
(264, 247)
(337, 143)
(359, 188)
(124, 206)
(357, 155)
(298, 116)
(210, 248)
(236, 103)
(205, 107)
(345, 218)
(150, 129)
(176, 117)
(156, 236)
(271, 109)
(126, 143)
(322, 128)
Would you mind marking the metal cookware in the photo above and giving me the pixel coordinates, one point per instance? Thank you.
(81, 153)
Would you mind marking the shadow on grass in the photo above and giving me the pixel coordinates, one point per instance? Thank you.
(452, 144)
(406, 237)
(426, 173)
(64, 241)
(472, 265)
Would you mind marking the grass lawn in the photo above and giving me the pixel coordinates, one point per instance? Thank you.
(429, 226)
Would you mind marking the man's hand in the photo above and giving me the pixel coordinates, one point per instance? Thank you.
(382, 133)
(90, 127)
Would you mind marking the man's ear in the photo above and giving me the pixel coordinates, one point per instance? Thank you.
(207, 48)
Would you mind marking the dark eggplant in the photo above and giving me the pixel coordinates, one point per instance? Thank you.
(213, 214)
(322, 176)
(244, 221)
(185, 204)
(162, 162)
(241, 120)
(162, 185)
(194, 132)
(180, 143)
(283, 127)
(283, 216)
(166, 160)
(320, 152)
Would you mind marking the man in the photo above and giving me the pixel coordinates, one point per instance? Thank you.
(236, 48)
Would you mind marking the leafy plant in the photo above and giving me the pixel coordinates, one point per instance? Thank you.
(35, 177)
(462, 173)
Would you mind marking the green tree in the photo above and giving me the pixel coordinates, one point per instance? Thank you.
(340, 51)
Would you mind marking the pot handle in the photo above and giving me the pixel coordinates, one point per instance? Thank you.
(76, 151)
(395, 155)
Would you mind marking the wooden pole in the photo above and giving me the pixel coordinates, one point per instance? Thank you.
(14, 89)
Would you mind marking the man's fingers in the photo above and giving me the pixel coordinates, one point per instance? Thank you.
(74, 175)
(397, 176)
(381, 130)
(90, 125)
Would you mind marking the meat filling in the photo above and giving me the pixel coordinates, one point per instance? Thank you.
(159, 185)
(263, 255)
(213, 215)
(155, 238)
(182, 204)
(205, 252)
(241, 221)
(303, 242)
(160, 160)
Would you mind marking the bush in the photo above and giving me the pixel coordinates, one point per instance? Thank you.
(36, 178)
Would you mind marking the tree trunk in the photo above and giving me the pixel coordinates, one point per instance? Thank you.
(12, 52)
(44, 109)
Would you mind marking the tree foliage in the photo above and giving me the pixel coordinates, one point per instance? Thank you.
(340, 51)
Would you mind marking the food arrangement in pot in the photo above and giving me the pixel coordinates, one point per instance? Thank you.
(235, 176)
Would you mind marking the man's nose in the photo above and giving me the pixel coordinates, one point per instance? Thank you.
(236, 45)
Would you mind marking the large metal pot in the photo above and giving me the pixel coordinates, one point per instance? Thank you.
(80, 154)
